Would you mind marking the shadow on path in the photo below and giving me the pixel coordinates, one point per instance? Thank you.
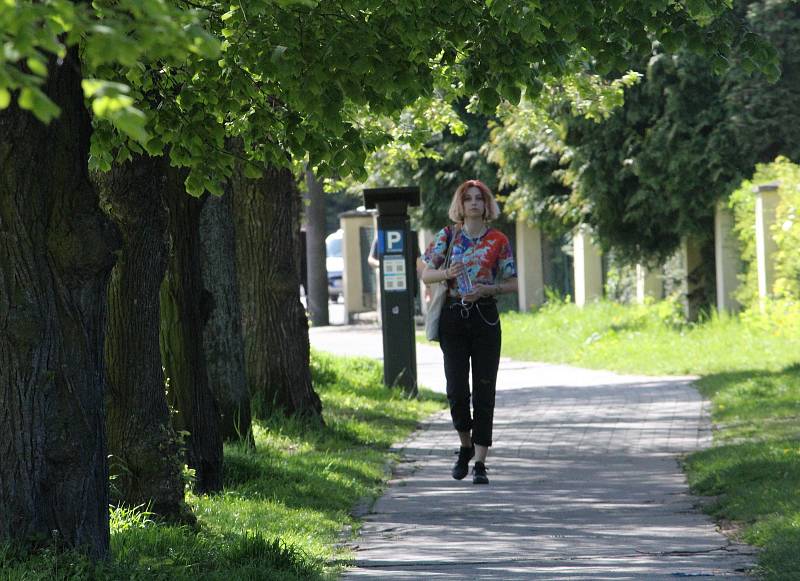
(585, 484)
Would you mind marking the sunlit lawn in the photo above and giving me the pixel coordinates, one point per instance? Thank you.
(646, 339)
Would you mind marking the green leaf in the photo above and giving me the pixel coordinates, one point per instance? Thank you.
(277, 53)
(37, 66)
(34, 100)
(252, 171)
(123, 155)
(132, 122)
(5, 98)
(108, 106)
(215, 188)
(204, 44)
(488, 99)
(194, 184)
(155, 146)
(307, 3)
(513, 93)
(101, 88)
(700, 11)
(773, 73)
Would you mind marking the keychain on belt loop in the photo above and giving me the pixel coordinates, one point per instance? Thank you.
(465, 307)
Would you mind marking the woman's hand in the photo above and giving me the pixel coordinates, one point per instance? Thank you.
(471, 297)
(437, 275)
(479, 291)
(454, 270)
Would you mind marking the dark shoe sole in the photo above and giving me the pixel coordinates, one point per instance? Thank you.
(480, 480)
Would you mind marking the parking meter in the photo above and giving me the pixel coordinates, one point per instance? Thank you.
(398, 277)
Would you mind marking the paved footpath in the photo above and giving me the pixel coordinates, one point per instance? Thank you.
(584, 482)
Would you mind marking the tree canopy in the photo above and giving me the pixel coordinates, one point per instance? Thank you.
(647, 173)
(293, 78)
(651, 174)
(121, 33)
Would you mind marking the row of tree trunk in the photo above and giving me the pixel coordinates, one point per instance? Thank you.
(110, 285)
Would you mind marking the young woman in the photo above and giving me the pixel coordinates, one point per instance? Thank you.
(469, 327)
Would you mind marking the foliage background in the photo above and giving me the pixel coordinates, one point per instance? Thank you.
(785, 231)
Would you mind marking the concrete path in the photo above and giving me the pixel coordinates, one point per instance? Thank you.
(585, 482)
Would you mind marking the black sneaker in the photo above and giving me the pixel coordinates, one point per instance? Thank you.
(461, 467)
(479, 474)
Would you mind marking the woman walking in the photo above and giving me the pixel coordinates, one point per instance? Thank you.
(469, 327)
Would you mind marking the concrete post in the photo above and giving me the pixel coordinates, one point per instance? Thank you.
(648, 284)
(726, 258)
(766, 205)
(692, 260)
(529, 266)
(353, 256)
(588, 267)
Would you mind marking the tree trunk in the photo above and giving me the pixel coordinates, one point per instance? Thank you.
(146, 462)
(182, 322)
(223, 343)
(267, 218)
(56, 255)
(317, 291)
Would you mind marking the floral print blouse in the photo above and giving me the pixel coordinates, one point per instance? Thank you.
(487, 259)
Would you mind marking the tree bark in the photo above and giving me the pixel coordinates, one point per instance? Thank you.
(56, 255)
(146, 462)
(267, 218)
(317, 291)
(223, 342)
(183, 318)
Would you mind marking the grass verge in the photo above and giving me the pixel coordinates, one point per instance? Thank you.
(648, 339)
(750, 372)
(284, 506)
(752, 472)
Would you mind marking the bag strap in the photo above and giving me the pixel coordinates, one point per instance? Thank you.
(453, 234)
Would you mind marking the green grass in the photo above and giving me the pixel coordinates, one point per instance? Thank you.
(750, 372)
(285, 508)
(646, 339)
(753, 470)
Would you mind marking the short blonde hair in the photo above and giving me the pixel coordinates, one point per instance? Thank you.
(490, 208)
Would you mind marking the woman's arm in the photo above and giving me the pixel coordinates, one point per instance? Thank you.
(509, 285)
(437, 251)
(432, 275)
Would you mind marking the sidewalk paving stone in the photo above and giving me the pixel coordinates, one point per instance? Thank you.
(584, 483)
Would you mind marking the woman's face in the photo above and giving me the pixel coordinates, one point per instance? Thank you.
(474, 205)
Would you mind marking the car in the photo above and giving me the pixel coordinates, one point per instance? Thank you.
(334, 262)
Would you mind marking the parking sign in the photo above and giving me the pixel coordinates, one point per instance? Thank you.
(394, 242)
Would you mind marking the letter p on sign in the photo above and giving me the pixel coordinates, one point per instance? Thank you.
(394, 241)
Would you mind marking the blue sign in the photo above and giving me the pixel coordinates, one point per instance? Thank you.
(393, 242)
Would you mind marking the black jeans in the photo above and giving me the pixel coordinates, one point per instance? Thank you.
(464, 336)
